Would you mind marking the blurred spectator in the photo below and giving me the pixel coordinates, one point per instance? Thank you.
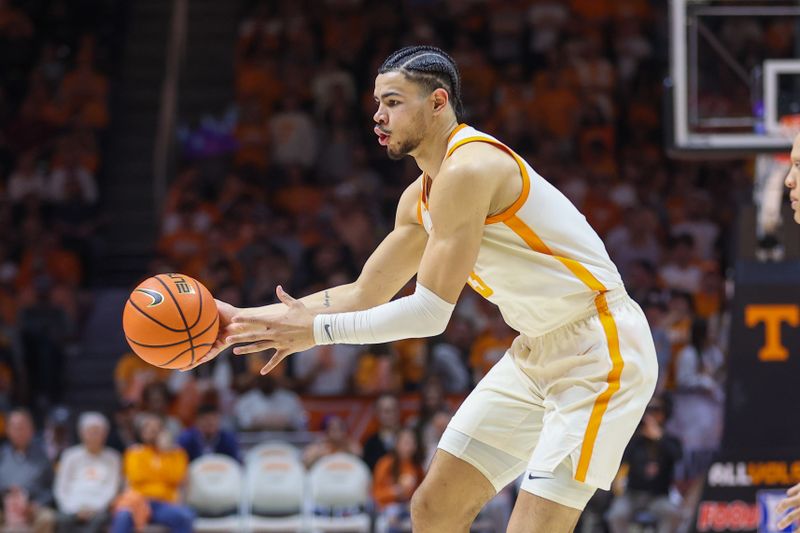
(446, 358)
(378, 371)
(84, 91)
(325, 370)
(387, 411)
(397, 476)
(698, 400)
(490, 346)
(268, 407)
(293, 134)
(45, 262)
(123, 431)
(432, 434)
(26, 477)
(334, 440)
(207, 435)
(655, 310)
(599, 208)
(699, 225)
(155, 470)
(682, 271)
(132, 374)
(88, 479)
(72, 178)
(157, 400)
(636, 240)
(57, 435)
(432, 407)
(642, 281)
(649, 464)
(44, 329)
(27, 180)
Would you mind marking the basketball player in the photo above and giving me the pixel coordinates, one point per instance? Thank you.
(793, 178)
(792, 501)
(563, 402)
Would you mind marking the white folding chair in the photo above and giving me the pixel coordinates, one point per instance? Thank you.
(272, 449)
(275, 491)
(339, 492)
(214, 491)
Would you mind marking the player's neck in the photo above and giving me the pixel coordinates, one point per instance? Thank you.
(431, 153)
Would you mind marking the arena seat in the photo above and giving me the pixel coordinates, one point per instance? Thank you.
(339, 493)
(275, 491)
(214, 491)
(272, 449)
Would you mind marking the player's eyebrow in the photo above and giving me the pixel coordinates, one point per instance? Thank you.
(387, 94)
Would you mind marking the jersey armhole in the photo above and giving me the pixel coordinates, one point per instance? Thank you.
(511, 210)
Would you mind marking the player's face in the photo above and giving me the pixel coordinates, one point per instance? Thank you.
(793, 179)
(402, 117)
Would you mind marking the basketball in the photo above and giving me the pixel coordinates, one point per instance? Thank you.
(170, 320)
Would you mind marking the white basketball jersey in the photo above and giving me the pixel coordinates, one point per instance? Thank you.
(540, 261)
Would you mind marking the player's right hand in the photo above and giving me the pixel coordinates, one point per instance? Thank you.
(792, 504)
(226, 312)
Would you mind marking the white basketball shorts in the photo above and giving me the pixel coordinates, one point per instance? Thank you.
(564, 404)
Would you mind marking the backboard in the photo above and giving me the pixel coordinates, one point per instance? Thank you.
(734, 73)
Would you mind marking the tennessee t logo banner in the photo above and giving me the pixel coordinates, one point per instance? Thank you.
(772, 316)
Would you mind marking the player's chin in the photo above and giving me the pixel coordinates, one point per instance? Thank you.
(394, 155)
(797, 215)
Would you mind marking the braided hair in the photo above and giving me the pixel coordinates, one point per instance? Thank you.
(432, 68)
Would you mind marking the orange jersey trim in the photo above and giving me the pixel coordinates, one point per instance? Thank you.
(609, 327)
(511, 210)
(455, 130)
(601, 404)
(535, 243)
(479, 285)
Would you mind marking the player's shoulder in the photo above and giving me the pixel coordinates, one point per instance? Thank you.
(479, 163)
(480, 159)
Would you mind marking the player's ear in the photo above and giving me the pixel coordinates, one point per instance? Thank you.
(440, 99)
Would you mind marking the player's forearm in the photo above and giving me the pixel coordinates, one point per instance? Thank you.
(339, 299)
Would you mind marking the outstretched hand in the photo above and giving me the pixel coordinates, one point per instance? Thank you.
(289, 332)
(226, 312)
(790, 503)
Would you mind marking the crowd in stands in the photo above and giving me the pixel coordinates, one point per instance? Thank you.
(54, 107)
(305, 196)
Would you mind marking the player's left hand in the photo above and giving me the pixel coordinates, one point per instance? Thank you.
(792, 501)
(291, 332)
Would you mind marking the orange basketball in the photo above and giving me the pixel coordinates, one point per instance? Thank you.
(170, 320)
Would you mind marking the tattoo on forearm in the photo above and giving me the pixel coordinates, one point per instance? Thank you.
(326, 301)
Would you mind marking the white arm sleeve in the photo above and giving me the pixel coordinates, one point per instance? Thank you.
(423, 314)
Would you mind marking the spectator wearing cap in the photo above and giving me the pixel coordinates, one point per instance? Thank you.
(208, 436)
(88, 478)
(25, 477)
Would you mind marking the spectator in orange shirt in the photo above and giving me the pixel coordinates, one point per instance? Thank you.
(155, 469)
(132, 374)
(397, 476)
(84, 91)
(490, 346)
